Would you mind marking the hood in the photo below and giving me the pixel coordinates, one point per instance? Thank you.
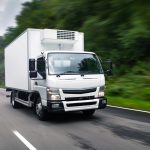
(75, 81)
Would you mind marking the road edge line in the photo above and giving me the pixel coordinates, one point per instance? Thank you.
(137, 110)
(23, 140)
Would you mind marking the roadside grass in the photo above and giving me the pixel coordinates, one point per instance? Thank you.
(129, 103)
(131, 90)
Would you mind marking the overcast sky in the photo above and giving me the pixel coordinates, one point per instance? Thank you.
(8, 10)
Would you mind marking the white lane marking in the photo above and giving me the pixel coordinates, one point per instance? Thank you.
(129, 109)
(22, 139)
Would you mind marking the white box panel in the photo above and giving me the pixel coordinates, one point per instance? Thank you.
(16, 64)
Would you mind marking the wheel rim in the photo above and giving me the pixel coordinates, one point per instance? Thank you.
(13, 102)
(38, 108)
(13, 99)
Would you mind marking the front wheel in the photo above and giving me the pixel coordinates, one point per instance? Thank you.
(40, 112)
(88, 113)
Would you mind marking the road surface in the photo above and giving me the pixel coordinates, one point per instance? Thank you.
(109, 129)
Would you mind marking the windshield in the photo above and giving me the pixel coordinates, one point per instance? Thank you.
(73, 63)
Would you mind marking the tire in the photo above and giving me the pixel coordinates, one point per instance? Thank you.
(40, 112)
(88, 113)
(12, 100)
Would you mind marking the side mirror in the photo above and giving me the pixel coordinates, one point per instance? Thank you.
(31, 64)
(33, 74)
(109, 71)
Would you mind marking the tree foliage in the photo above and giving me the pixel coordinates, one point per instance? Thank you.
(116, 29)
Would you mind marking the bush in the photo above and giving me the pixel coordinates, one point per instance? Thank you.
(142, 68)
(115, 90)
(145, 94)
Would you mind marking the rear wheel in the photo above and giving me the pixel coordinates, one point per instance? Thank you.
(88, 113)
(40, 111)
(12, 100)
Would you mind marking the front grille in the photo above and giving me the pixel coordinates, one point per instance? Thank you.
(79, 98)
(81, 104)
(63, 34)
(79, 91)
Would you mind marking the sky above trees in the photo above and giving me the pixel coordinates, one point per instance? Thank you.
(8, 10)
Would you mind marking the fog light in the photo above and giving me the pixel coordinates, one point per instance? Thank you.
(103, 101)
(55, 105)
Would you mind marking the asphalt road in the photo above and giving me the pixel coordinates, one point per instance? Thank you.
(109, 129)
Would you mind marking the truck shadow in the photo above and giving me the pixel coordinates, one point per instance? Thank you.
(130, 133)
(70, 117)
(125, 132)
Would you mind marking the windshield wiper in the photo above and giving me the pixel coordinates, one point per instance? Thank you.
(83, 73)
(67, 73)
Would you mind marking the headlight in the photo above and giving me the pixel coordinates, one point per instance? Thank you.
(55, 97)
(101, 92)
(53, 94)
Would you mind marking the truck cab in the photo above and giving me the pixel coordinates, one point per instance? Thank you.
(69, 81)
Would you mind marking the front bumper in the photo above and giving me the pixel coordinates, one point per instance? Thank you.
(66, 106)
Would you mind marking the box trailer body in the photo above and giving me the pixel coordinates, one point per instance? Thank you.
(52, 90)
(29, 45)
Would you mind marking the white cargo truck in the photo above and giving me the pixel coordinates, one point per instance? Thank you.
(49, 70)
